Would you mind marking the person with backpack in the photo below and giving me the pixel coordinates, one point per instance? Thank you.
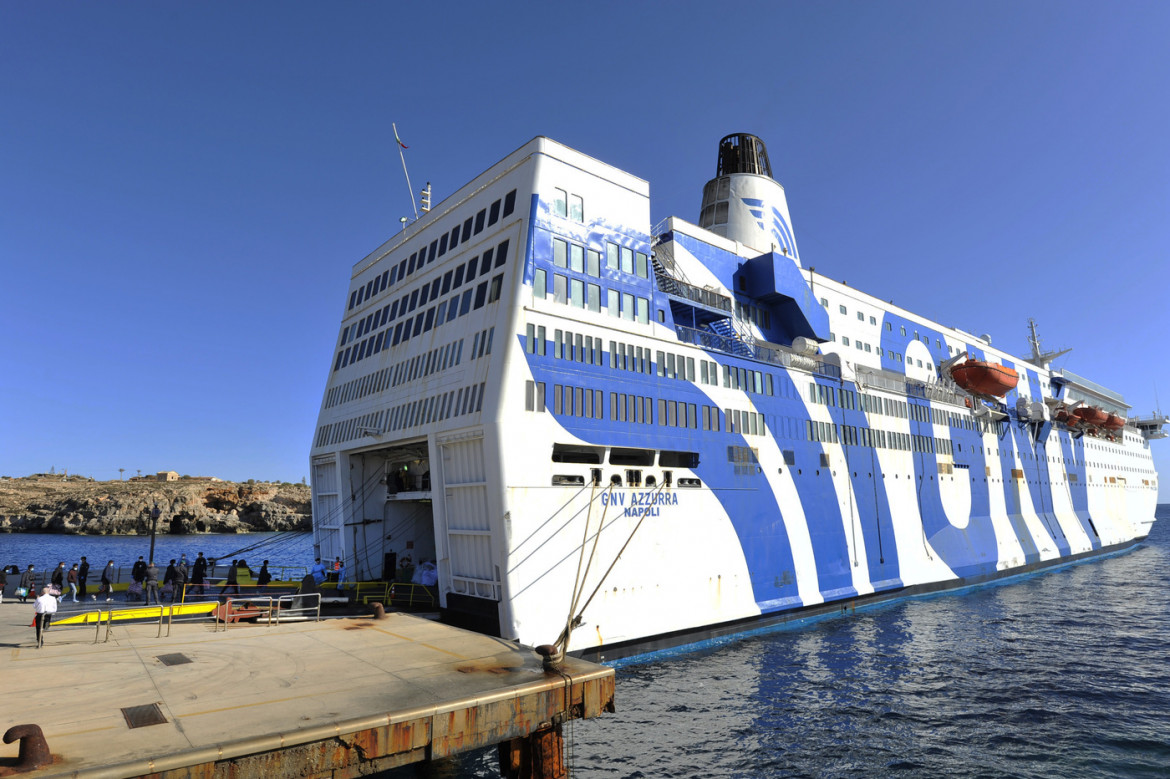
(57, 580)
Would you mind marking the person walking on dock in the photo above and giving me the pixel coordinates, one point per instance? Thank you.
(28, 584)
(198, 572)
(108, 576)
(264, 576)
(45, 607)
(82, 576)
(233, 579)
(57, 579)
(151, 585)
(181, 580)
(71, 578)
(169, 582)
(138, 574)
(3, 581)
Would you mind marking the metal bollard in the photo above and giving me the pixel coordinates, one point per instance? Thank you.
(34, 750)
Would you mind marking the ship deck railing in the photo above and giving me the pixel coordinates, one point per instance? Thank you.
(758, 350)
(680, 289)
(889, 381)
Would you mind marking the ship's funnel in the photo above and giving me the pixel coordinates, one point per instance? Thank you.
(744, 203)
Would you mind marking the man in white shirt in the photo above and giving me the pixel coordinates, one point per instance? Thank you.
(45, 607)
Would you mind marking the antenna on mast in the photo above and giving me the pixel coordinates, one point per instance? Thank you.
(402, 146)
(1040, 357)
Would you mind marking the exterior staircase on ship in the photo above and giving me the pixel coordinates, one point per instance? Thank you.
(698, 308)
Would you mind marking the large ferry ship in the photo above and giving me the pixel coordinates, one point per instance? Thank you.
(613, 437)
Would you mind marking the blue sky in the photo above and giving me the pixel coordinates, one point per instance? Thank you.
(184, 186)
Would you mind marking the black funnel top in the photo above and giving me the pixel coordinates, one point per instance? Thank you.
(743, 153)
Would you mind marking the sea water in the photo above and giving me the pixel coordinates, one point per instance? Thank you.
(45, 550)
(1059, 674)
(1064, 673)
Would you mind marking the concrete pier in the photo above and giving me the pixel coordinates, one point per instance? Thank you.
(336, 698)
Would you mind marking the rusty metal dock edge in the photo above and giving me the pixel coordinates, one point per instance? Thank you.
(356, 747)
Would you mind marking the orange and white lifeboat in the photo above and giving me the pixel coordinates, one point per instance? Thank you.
(1092, 415)
(985, 378)
(1114, 422)
(1064, 417)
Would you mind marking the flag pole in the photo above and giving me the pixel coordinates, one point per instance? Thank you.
(401, 156)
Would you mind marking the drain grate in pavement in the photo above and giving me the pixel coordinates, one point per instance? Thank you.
(178, 658)
(141, 716)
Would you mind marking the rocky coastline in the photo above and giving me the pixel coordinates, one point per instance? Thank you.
(73, 505)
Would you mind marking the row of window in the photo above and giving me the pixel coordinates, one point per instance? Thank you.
(446, 311)
(671, 366)
(636, 409)
(473, 225)
(747, 380)
(436, 360)
(861, 317)
(441, 285)
(762, 317)
(568, 206)
(577, 401)
(580, 294)
(639, 409)
(436, 408)
(745, 459)
(628, 357)
(872, 404)
(425, 364)
(579, 259)
(419, 366)
(850, 435)
(865, 347)
(464, 400)
(587, 349)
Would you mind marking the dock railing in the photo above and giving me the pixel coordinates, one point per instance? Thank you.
(270, 610)
(412, 594)
(161, 614)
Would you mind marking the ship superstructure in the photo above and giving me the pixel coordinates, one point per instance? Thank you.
(621, 437)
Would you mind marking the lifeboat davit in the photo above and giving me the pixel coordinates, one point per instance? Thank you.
(985, 378)
(1114, 422)
(1091, 415)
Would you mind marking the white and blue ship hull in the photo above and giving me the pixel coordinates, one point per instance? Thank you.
(664, 434)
